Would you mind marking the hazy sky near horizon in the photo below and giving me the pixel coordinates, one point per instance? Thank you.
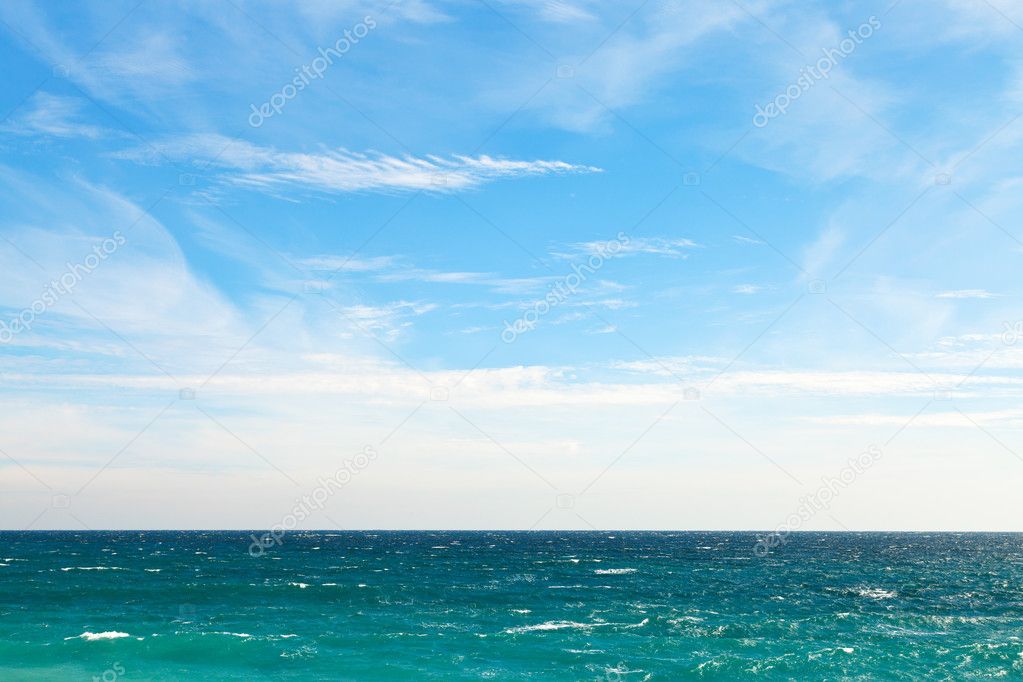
(554, 264)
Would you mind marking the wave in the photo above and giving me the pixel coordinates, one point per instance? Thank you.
(571, 625)
(614, 571)
(554, 625)
(95, 636)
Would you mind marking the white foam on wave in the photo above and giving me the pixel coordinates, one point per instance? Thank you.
(571, 625)
(93, 568)
(876, 593)
(835, 650)
(614, 571)
(153, 570)
(637, 625)
(95, 636)
(554, 625)
(299, 585)
(243, 635)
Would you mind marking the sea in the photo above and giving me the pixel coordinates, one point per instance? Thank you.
(449, 605)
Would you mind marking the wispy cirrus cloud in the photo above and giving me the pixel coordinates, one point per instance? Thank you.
(340, 171)
(558, 11)
(674, 247)
(391, 269)
(51, 115)
(967, 293)
(349, 263)
(388, 320)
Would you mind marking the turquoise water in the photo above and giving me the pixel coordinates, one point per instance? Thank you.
(621, 606)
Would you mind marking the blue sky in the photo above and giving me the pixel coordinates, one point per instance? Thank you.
(764, 297)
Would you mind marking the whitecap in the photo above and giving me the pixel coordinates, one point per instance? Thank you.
(614, 571)
(637, 625)
(876, 593)
(299, 585)
(95, 636)
(553, 625)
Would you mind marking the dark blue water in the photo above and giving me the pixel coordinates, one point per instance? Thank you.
(507, 605)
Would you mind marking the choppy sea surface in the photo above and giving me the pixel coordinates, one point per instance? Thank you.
(621, 606)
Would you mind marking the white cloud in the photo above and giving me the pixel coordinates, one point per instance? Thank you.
(151, 58)
(328, 15)
(54, 115)
(349, 264)
(144, 286)
(818, 255)
(675, 247)
(661, 38)
(966, 293)
(558, 11)
(342, 171)
(388, 320)
(941, 418)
